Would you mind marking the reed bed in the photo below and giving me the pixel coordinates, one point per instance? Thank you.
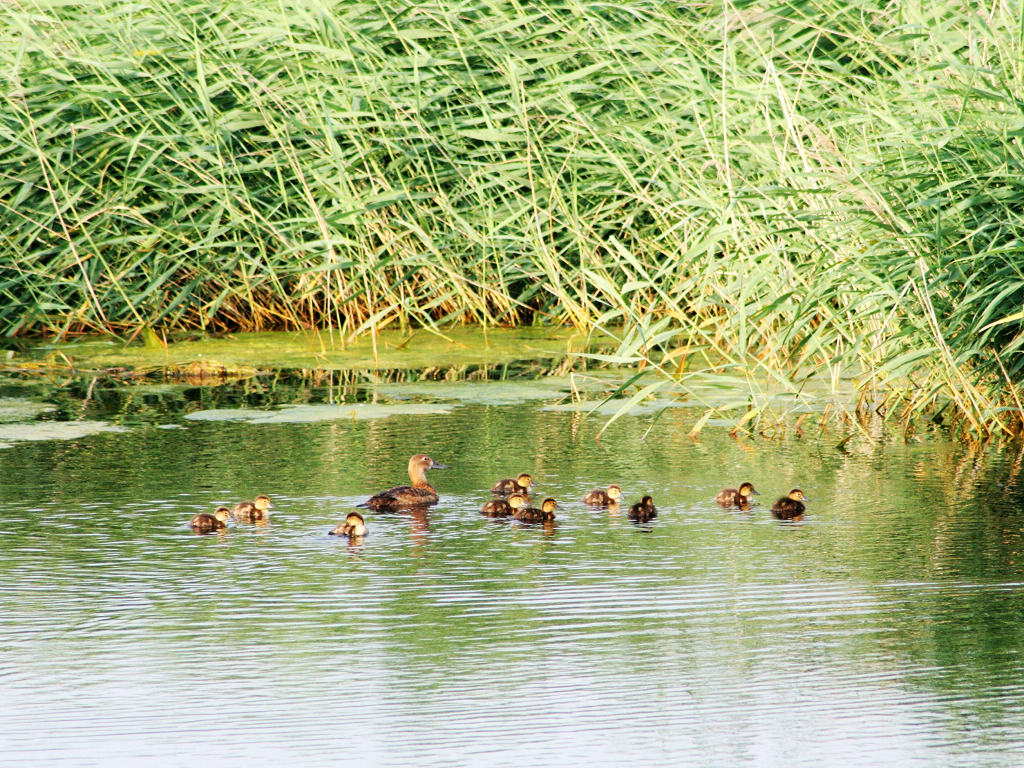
(780, 192)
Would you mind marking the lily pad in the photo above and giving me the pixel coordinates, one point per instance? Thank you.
(301, 414)
(14, 409)
(483, 392)
(55, 430)
(612, 407)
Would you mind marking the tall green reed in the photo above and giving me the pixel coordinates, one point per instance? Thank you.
(783, 193)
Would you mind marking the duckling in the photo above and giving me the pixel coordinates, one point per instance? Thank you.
(790, 507)
(545, 514)
(643, 510)
(354, 526)
(731, 497)
(252, 511)
(520, 484)
(503, 507)
(600, 498)
(419, 494)
(218, 521)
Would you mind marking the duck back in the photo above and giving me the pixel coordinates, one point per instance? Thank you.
(543, 514)
(401, 497)
(247, 511)
(205, 523)
(643, 510)
(496, 508)
(533, 515)
(728, 497)
(252, 511)
(508, 485)
(788, 509)
(791, 506)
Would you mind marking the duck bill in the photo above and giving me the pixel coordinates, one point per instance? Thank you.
(435, 465)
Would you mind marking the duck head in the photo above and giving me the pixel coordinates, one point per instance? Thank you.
(357, 526)
(747, 489)
(421, 462)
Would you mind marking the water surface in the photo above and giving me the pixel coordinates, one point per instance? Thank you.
(885, 628)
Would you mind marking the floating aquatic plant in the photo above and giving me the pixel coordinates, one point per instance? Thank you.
(14, 409)
(55, 430)
(297, 414)
(481, 392)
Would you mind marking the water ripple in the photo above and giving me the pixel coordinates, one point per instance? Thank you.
(882, 630)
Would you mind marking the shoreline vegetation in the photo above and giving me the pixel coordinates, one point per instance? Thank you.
(783, 192)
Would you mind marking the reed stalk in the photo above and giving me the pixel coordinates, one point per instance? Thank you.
(791, 190)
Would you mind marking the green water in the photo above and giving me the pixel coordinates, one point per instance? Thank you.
(885, 628)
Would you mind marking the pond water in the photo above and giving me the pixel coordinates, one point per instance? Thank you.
(885, 628)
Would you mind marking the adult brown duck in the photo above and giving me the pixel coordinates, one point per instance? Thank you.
(419, 494)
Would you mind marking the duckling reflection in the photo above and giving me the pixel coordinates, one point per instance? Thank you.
(503, 507)
(602, 498)
(643, 511)
(791, 506)
(519, 484)
(206, 523)
(732, 497)
(252, 511)
(544, 514)
(353, 526)
(419, 494)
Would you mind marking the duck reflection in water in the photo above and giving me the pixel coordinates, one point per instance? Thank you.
(419, 494)
(419, 527)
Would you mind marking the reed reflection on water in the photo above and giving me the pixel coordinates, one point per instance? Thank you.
(884, 628)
